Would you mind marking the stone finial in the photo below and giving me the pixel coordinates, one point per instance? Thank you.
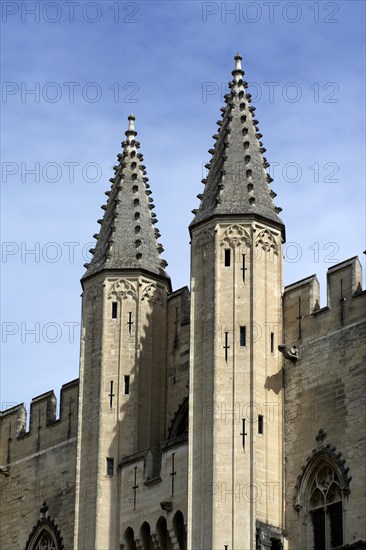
(130, 132)
(238, 59)
(131, 121)
(43, 510)
(321, 435)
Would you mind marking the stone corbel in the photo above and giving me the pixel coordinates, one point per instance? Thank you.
(167, 506)
(289, 353)
(5, 471)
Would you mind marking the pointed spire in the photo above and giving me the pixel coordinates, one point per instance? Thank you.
(128, 238)
(237, 182)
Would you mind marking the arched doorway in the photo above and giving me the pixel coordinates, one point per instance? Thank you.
(163, 535)
(145, 534)
(180, 531)
(129, 539)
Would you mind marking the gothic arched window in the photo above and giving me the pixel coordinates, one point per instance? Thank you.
(44, 541)
(325, 507)
(46, 534)
(179, 425)
(322, 488)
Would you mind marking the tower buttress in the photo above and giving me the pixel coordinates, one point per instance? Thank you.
(122, 363)
(235, 422)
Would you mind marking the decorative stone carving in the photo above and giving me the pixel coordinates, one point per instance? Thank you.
(123, 290)
(321, 435)
(166, 505)
(289, 353)
(5, 471)
(155, 541)
(267, 241)
(235, 236)
(45, 534)
(334, 457)
(152, 294)
(149, 292)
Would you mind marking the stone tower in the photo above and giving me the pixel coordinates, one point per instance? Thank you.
(273, 454)
(235, 421)
(123, 347)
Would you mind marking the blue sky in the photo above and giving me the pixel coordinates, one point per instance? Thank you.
(91, 64)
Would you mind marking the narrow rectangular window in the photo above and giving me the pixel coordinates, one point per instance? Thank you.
(260, 424)
(243, 336)
(126, 385)
(110, 467)
(227, 257)
(114, 310)
(272, 342)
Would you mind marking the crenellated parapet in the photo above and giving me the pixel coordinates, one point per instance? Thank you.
(305, 320)
(324, 397)
(46, 429)
(39, 470)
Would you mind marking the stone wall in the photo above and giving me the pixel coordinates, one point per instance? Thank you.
(41, 465)
(324, 415)
(325, 396)
(177, 353)
(154, 500)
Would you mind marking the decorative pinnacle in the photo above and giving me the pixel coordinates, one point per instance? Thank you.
(131, 126)
(238, 58)
(131, 119)
(238, 70)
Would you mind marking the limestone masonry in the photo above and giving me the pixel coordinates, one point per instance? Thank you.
(228, 416)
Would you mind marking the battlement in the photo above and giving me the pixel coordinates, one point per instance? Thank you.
(45, 429)
(346, 301)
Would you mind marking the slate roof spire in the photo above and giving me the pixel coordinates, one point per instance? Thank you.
(237, 182)
(127, 238)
